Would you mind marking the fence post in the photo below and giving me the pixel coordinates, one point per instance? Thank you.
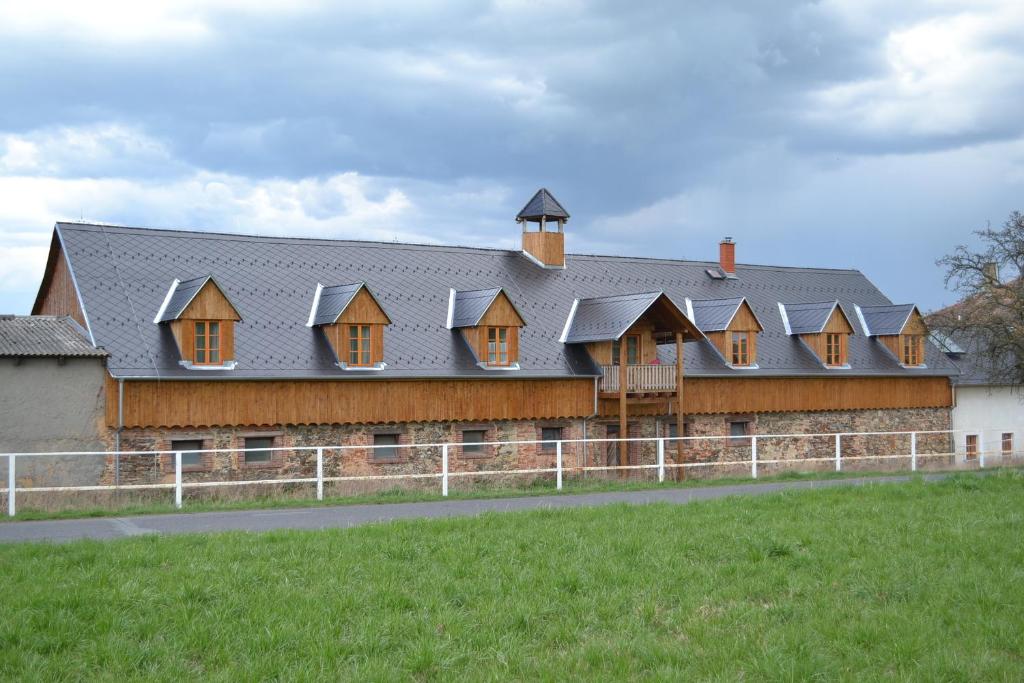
(753, 457)
(661, 460)
(981, 449)
(913, 451)
(177, 479)
(444, 470)
(558, 464)
(319, 473)
(11, 509)
(839, 453)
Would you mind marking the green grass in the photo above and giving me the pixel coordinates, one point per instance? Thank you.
(899, 581)
(535, 487)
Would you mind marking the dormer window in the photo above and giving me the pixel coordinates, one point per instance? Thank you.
(900, 328)
(359, 354)
(497, 345)
(202, 320)
(207, 342)
(353, 323)
(489, 323)
(913, 349)
(731, 327)
(835, 349)
(823, 327)
(740, 348)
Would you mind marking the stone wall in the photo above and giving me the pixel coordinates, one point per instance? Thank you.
(418, 454)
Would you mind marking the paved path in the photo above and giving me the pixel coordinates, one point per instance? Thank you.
(354, 515)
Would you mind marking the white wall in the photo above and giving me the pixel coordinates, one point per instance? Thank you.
(988, 411)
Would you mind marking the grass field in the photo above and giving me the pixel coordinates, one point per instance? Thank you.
(893, 581)
(105, 504)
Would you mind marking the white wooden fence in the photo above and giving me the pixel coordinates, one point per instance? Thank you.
(750, 447)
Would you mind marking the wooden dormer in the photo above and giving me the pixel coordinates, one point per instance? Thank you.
(823, 327)
(202, 320)
(731, 326)
(489, 322)
(900, 328)
(353, 322)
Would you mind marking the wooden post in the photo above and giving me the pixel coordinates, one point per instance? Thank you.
(679, 403)
(623, 424)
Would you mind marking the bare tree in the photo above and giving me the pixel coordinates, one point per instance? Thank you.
(989, 319)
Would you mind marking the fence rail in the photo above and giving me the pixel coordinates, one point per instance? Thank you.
(757, 451)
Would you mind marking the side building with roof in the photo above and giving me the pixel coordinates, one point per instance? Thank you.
(52, 398)
(241, 342)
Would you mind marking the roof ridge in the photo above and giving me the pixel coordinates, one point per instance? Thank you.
(206, 234)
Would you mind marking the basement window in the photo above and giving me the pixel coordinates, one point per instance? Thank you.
(257, 450)
(548, 435)
(190, 458)
(386, 447)
(738, 432)
(473, 440)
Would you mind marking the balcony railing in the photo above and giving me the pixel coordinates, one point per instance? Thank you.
(640, 378)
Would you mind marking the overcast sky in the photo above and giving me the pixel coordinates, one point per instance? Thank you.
(844, 133)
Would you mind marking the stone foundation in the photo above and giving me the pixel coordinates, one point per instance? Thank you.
(417, 454)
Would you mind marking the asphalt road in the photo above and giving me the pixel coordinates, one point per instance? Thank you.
(344, 516)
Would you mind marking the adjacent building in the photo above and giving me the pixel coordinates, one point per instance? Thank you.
(244, 342)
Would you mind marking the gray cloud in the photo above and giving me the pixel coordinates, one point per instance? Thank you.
(661, 125)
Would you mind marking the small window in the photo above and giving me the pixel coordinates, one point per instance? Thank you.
(972, 446)
(548, 435)
(497, 345)
(632, 349)
(672, 429)
(190, 459)
(207, 343)
(738, 431)
(255, 450)
(474, 438)
(835, 353)
(1007, 443)
(386, 446)
(912, 349)
(740, 348)
(359, 345)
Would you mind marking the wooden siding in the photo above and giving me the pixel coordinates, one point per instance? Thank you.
(501, 313)
(546, 247)
(364, 309)
(209, 304)
(601, 352)
(60, 297)
(210, 403)
(789, 394)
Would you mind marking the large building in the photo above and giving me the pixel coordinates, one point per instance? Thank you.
(243, 342)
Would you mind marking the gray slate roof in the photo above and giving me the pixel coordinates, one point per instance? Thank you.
(272, 281)
(809, 318)
(542, 204)
(886, 320)
(470, 305)
(44, 335)
(714, 315)
(607, 317)
(180, 296)
(334, 300)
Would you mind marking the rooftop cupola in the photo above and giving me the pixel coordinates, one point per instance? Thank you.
(546, 245)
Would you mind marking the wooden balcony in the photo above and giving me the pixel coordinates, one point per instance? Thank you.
(640, 379)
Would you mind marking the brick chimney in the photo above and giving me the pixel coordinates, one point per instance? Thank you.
(727, 255)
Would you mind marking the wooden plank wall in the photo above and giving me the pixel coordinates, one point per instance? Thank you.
(200, 403)
(710, 395)
(60, 297)
(546, 247)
